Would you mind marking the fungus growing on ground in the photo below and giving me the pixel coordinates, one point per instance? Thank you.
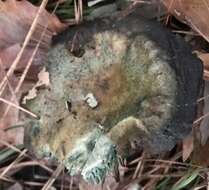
(116, 86)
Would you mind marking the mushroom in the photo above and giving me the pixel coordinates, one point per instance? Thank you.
(131, 83)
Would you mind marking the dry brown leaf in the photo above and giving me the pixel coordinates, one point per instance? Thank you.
(8, 55)
(194, 12)
(205, 59)
(43, 77)
(204, 126)
(187, 147)
(43, 80)
(16, 18)
(201, 131)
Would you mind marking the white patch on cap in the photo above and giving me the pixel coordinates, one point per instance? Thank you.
(91, 100)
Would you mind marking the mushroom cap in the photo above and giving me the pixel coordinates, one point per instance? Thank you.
(106, 71)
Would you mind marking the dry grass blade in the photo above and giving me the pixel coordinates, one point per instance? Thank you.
(191, 33)
(43, 35)
(8, 179)
(8, 82)
(18, 166)
(11, 146)
(203, 98)
(30, 62)
(78, 9)
(200, 187)
(38, 184)
(18, 107)
(26, 155)
(139, 167)
(71, 183)
(206, 74)
(185, 180)
(201, 118)
(193, 12)
(19, 158)
(53, 177)
(80, 6)
(129, 9)
(176, 157)
(176, 163)
(169, 8)
(22, 77)
(26, 41)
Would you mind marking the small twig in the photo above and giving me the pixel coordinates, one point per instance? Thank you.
(8, 82)
(18, 107)
(185, 32)
(71, 183)
(139, 167)
(169, 8)
(198, 30)
(53, 177)
(18, 166)
(203, 98)
(18, 159)
(175, 162)
(26, 155)
(201, 118)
